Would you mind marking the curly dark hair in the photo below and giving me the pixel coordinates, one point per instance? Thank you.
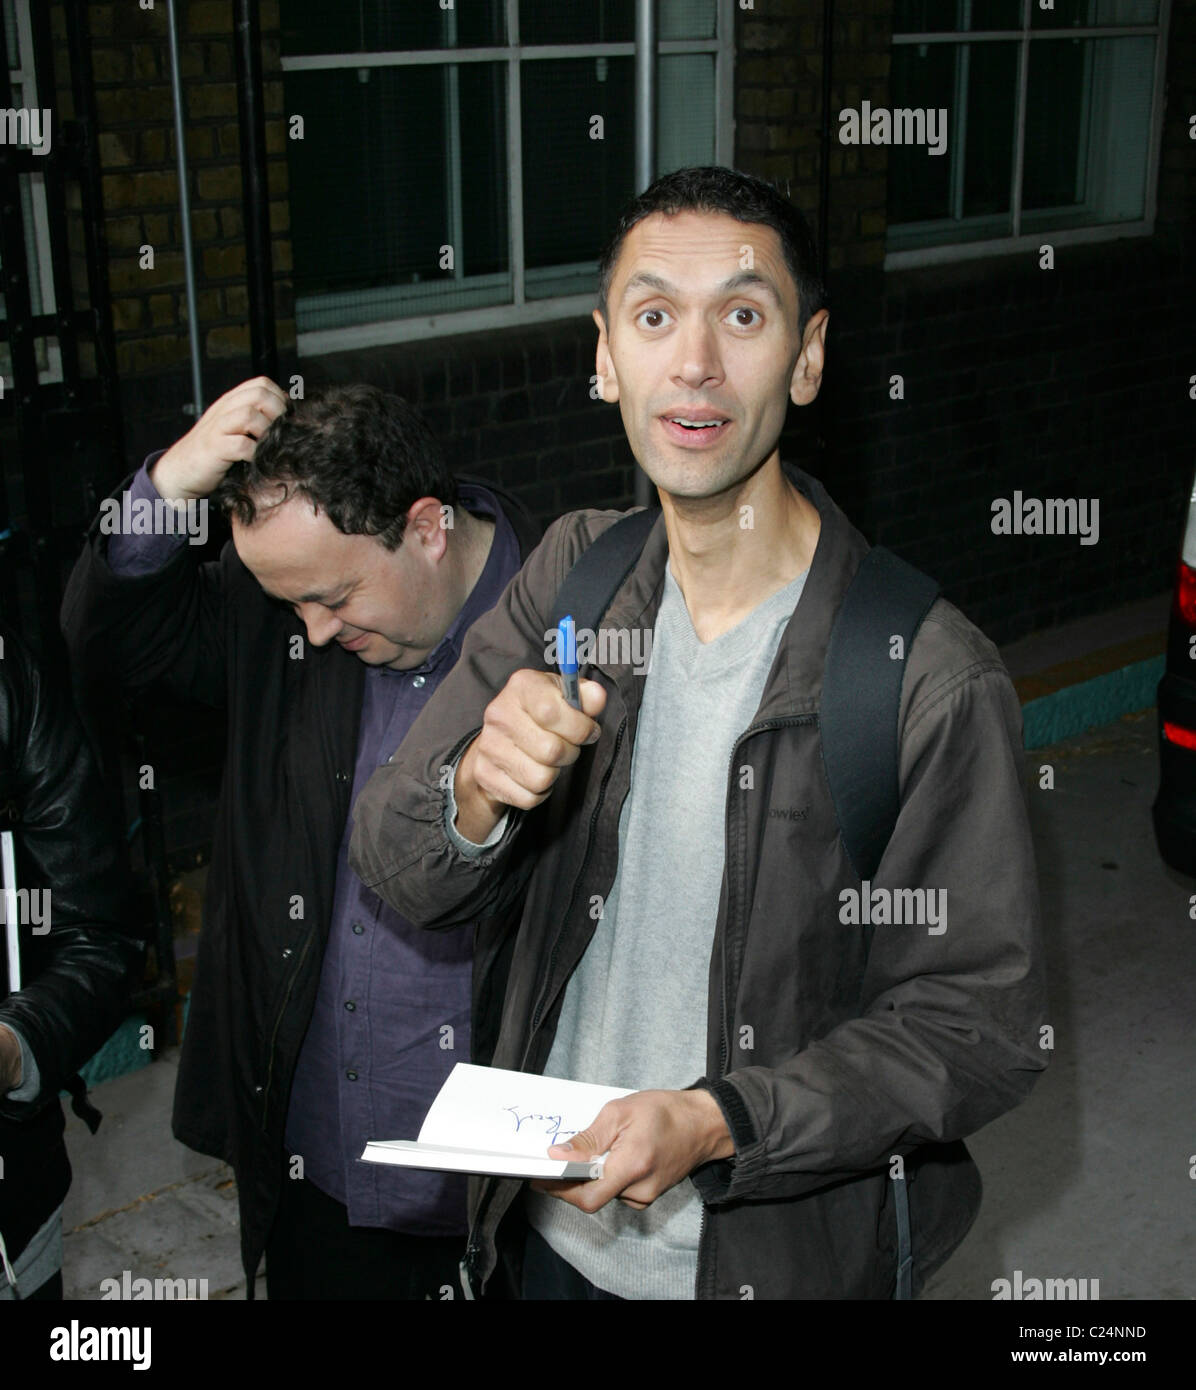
(361, 455)
(714, 188)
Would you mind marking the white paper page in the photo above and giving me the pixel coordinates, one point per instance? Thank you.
(511, 1112)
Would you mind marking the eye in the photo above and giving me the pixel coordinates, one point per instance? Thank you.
(753, 316)
(651, 318)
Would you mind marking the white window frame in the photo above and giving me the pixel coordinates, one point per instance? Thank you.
(521, 310)
(1017, 240)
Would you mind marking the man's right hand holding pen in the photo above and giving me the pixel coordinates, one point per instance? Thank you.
(529, 732)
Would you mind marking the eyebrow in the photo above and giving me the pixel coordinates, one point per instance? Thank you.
(306, 598)
(645, 279)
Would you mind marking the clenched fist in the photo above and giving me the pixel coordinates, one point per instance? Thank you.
(529, 733)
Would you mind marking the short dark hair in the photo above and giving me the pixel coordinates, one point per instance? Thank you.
(361, 455)
(714, 188)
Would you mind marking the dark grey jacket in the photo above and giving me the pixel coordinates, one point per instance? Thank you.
(827, 1055)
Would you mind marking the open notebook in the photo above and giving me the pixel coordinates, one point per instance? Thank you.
(486, 1120)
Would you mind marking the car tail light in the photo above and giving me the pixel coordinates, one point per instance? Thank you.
(1177, 734)
(1185, 595)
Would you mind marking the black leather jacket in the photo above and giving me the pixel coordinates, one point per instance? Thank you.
(77, 976)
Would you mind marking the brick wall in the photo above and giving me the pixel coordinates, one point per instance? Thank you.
(130, 61)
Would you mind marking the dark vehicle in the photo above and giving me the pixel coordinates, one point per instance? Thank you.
(1175, 805)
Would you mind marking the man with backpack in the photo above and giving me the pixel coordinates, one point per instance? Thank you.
(782, 884)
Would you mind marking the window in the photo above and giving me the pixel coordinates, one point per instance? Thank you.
(1052, 121)
(460, 168)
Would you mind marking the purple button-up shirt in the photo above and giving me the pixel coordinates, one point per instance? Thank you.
(392, 1010)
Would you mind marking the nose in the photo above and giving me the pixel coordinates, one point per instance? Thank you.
(698, 362)
(322, 624)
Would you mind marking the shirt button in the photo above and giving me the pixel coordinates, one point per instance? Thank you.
(352, 1075)
(419, 682)
(349, 1004)
(287, 953)
(358, 929)
(342, 776)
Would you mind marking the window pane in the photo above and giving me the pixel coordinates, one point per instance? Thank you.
(967, 189)
(379, 26)
(685, 19)
(1087, 131)
(949, 16)
(390, 171)
(574, 185)
(685, 111)
(1073, 14)
(576, 21)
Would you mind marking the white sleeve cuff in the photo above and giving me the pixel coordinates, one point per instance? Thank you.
(467, 847)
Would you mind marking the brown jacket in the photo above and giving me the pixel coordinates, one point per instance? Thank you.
(828, 1057)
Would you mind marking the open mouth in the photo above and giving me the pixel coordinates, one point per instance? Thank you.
(695, 431)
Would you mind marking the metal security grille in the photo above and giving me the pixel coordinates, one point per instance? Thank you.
(59, 423)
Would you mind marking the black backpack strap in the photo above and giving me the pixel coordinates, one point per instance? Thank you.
(861, 698)
(599, 571)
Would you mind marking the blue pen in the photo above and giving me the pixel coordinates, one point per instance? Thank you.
(566, 657)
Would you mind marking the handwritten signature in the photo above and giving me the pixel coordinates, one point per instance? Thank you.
(552, 1124)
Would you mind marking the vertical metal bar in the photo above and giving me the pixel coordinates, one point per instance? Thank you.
(95, 242)
(176, 87)
(645, 147)
(959, 139)
(1019, 151)
(515, 153)
(255, 192)
(12, 922)
(645, 93)
(724, 84)
(824, 144)
(452, 92)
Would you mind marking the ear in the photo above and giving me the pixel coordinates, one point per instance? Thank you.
(807, 373)
(608, 382)
(426, 526)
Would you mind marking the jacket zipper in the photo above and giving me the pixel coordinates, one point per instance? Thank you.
(577, 882)
(725, 1024)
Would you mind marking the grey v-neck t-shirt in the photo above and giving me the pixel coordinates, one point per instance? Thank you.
(634, 1011)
